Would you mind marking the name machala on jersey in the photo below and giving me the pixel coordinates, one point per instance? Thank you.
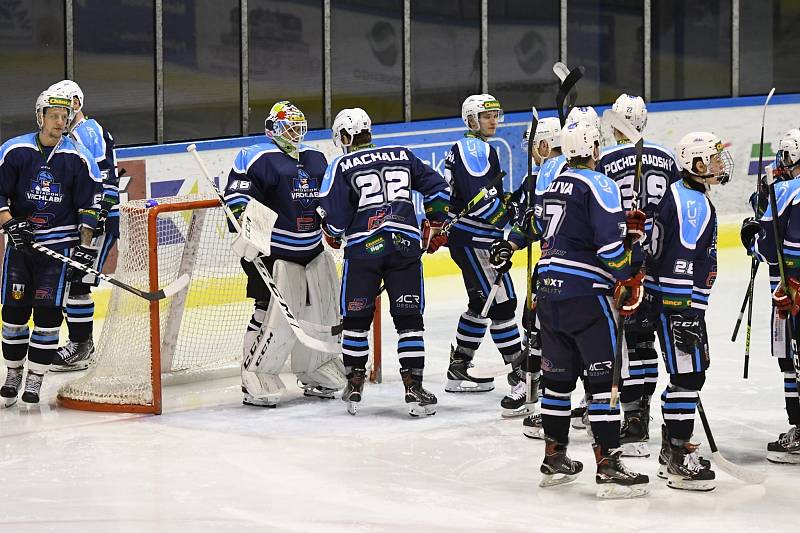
(629, 161)
(372, 157)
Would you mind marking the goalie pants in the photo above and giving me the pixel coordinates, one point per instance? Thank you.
(578, 334)
(361, 281)
(33, 283)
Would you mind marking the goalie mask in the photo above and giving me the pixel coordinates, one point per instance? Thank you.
(71, 89)
(708, 149)
(286, 125)
(53, 98)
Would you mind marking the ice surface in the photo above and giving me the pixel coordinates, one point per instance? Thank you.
(211, 464)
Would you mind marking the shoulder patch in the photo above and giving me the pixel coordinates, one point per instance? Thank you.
(474, 155)
(604, 189)
(694, 213)
(27, 141)
(330, 172)
(250, 154)
(548, 172)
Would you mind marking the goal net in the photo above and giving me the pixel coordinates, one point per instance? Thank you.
(194, 335)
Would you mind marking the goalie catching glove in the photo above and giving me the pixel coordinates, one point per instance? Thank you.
(432, 236)
(85, 255)
(19, 231)
(628, 294)
(787, 303)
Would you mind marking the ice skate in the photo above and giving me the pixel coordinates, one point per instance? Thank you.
(663, 455)
(685, 471)
(613, 478)
(33, 384)
(10, 388)
(785, 450)
(458, 378)
(557, 467)
(420, 402)
(514, 404)
(313, 390)
(633, 436)
(352, 392)
(73, 356)
(532, 426)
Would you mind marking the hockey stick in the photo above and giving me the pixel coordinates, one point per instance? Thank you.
(484, 192)
(171, 289)
(742, 474)
(492, 294)
(302, 336)
(566, 86)
(745, 301)
(529, 251)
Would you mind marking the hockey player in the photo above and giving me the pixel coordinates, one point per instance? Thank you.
(48, 189)
(284, 175)
(586, 258)
(658, 171)
(472, 164)
(76, 354)
(787, 167)
(682, 264)
(366, 202)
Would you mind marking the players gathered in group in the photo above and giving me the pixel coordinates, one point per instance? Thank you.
(627, 235)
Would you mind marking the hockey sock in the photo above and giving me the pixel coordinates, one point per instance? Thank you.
(44, 338)
(648, 357)
(556, 408)
(411, 349)
(355, 348)
(677, 408)
(632, 386)
(505, 334)
(789, 390)
(604, 420)
(471, 330)
(80, 317)
(15, 334)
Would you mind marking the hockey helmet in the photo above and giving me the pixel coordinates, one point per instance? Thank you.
(476, 104)
(72, 89)
(703, 146)
(580, 139)
(789, 149)
(632, 108)
(53, 98)
(352, 121)
(547, 129)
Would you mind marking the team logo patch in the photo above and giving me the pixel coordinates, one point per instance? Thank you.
(305, 188)
(44, 190)
(43, 293)
(375, 245)
(17, 291)
(357, 304)
(377, 219)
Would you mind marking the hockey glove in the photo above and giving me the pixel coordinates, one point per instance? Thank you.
(500, 255)
(634, 225)
(628, 294)
(787, 303)
(84, 255)
(686, 332)
(515, 211)
(750, 228)
(19, 231)
(432, 236)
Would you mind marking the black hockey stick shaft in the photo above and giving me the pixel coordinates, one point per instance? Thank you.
(529, 250)
(747, 296)
(563, 91)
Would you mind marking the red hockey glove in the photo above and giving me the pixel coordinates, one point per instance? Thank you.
(432, 236)
(787, 303)
(634, 225)
(628, 294)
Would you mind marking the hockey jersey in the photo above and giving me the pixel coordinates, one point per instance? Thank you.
(366, 195)
(682, 259)
(548, 172)
(289, 187)
(583, 223)
(470, 165)
(99, 142)
(787, 199)
(59, 194)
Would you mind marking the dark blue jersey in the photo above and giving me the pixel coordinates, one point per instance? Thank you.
(288, 186)
(99, 142)
(682, 260)
(583, 226)
(470, 165)
(549, 171)
(787, 199)
(59, 194)
(367, 197)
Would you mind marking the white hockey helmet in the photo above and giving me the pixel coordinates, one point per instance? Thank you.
(632, 108)
(547, 129)
(286, 124)
(352, 121)
(583, 114)
(580, 139)
(53, 98)
(475, 105)
(789, 148)
(703, 146)
(72, 89)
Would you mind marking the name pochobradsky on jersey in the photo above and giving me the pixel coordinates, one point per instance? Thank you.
(647, 159)
(371, 157)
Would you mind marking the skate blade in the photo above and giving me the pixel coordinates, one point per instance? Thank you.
(352, 408)
(553, 480)
(678, 482)
(525, 410)
(269, 403)
(635, 449)
(9, 402)
(533, 433)
(416, 410)
(325, 395)
(456, 385)
(577, 423)
(70, 368)
(614, 491)
(784, 458)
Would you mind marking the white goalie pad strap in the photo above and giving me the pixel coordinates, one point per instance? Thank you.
(262, 386)
(267, 352)
(253, 239)
(322, 307)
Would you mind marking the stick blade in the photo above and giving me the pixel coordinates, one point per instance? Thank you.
(561, 70)
(745, 475)
(176, 286)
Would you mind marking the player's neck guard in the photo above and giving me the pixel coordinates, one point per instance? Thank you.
(360, 147)
(476, 135)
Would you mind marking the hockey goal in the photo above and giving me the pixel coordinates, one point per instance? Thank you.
(195, 335)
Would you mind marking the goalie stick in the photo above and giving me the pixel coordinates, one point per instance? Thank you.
(171, 289)
(742, 474)
(302, 336)
(568, 82)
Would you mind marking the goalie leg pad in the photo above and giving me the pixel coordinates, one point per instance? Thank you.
(321, 307)
(262, 390)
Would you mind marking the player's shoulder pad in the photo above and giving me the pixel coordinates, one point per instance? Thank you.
(21, 141)
(330, 173)
(69, 145)
(668, 152)
(694, 213)
(786, 193)
(549, 171)
(90, 134)
(604, 189)
(474, 155)
(250, 154)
